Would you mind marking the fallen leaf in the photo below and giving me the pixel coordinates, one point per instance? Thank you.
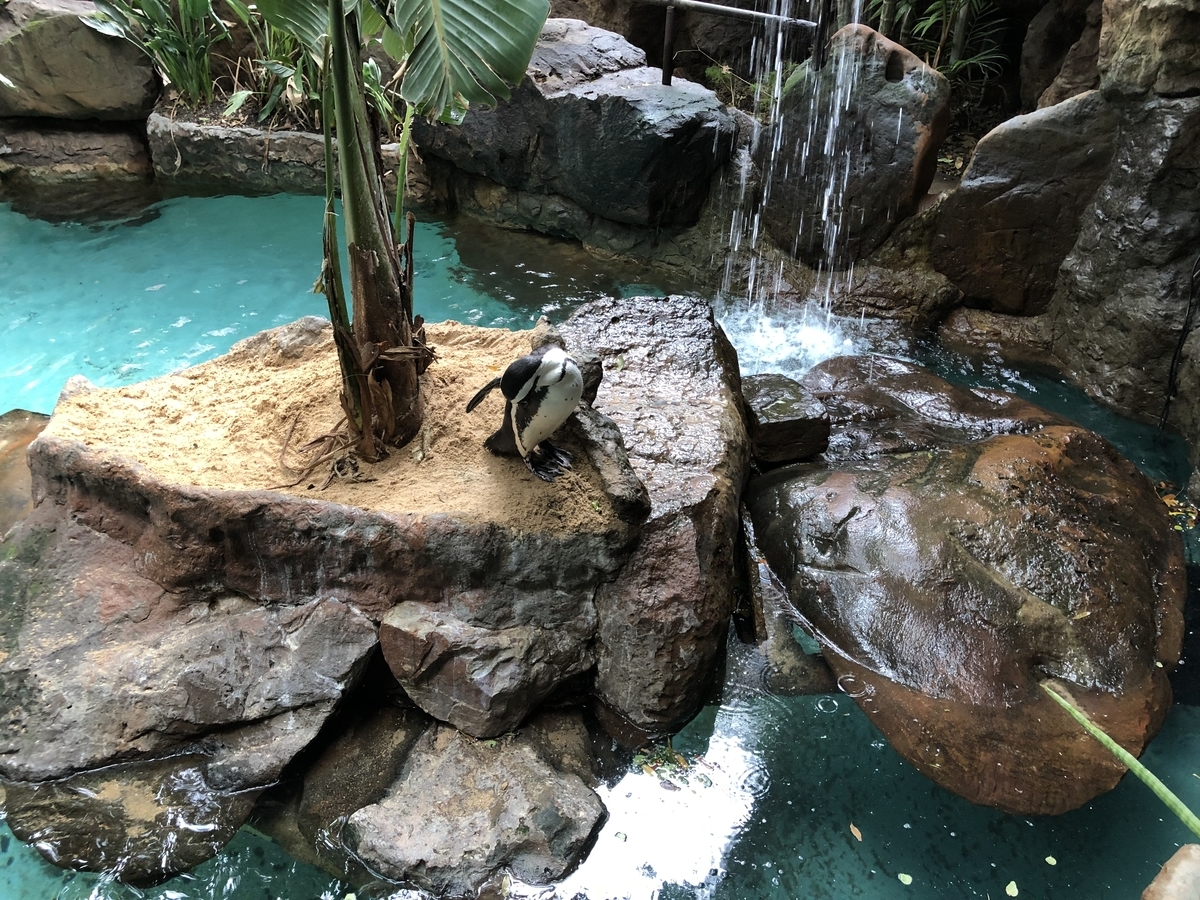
(1011, 889)
(854, 831)
(668, 785)
(649, 771)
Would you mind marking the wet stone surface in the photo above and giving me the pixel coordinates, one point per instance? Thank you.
(786, 422)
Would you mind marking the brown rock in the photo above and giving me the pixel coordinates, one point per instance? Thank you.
(786, 422)
(1051, 34)
(1150, 47)
(672, 386)
(41, 154)
(60, 68)
(1078, 72)
(956, 558)
(17, 429)
(1003, 233)
(1179, 878)
(1018, 340)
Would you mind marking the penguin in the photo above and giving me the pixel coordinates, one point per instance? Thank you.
(541, 391)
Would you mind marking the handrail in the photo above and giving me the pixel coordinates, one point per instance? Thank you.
(715, 9)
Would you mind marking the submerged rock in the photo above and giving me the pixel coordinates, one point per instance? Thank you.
(958, 547)
(671, 384)
(60, 68)
(18, 428)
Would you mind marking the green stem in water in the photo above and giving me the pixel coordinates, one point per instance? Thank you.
(1127, 759)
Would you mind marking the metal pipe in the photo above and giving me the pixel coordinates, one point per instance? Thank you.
(732, 12)
(668, 60)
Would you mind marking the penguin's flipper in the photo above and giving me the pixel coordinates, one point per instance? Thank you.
(502, 443)
(483, 392)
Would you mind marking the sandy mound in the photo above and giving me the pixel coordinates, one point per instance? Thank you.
(222, 425)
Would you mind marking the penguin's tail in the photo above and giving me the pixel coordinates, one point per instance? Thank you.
(483, 392)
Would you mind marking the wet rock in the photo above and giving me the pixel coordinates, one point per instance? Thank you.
(141, 822)
(671, 384)
(593, 125)
(464, 810)
(885, 153)
(1179, 879)
(18, 428)
(1018, 340)
(1002, 234)
(60, 68)
(786, 423)
(1119, 305)
(38, 154)
(1150, 48)
(1051, 34)
(957, 548)
(485, 679)
(1078, 72)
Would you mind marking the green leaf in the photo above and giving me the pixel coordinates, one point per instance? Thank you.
(465, 51)
(236, 101)
(306, 19)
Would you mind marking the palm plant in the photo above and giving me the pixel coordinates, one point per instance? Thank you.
(452, 54)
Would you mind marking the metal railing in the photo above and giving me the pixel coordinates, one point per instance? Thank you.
(715, 9)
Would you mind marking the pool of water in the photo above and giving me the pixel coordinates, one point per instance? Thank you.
(775, 787)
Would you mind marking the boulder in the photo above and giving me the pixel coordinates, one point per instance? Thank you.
(1002, 234)
(1051, 34)
(1179, 879)
(18, 428)
(38, 154)
(593, 124)
(463, 811)
(60, 68)
(1017, 340)
(956, 548)
(870, 121)
(1078, 72)
(1150, 48)
(1121, 298)
(786, 423)
(671, 384)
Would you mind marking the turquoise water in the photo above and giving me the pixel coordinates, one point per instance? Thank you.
(767, 813)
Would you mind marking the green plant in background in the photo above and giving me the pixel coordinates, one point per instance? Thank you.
(178, 36)
(1127, 759)
(959, 38)
(452, 53)
(282, 72)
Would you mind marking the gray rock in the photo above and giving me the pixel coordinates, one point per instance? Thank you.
(884, 154)
(485, 679)
(786, 422)
(1078, 72)
(1049, 37)
(956, 549)
(590, 123)
(671, 384)
(464, 810)
(60, 68)
(1122, 293)
(17, 429)
(1002, 234)
(38, 154)
(1018, 340)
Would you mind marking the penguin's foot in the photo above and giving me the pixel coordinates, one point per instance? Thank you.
(547, 462)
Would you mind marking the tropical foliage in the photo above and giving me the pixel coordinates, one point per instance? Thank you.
(959, 38)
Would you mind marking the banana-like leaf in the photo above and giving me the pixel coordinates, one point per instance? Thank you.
(308, 20)
(465, 50)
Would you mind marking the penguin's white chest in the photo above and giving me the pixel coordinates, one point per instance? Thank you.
(550, 398)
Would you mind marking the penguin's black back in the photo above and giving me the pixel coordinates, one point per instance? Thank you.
(521, 371)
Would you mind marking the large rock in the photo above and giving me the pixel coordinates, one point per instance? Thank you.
(1002, 234)
(958, 548)
(1051, 34)
(37, 154)
(463, 810)
(593, 124)
(1078, 72)
(1150, 47)
(101, 665)
(671, 384)
(1119, 305)
(60, 68)
(869, 123)
(18, 428)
